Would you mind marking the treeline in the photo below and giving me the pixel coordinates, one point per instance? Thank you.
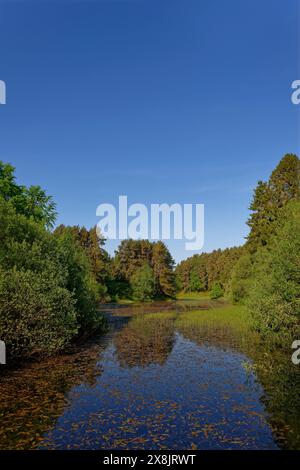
(263, 274)
(48, 286)
(208, 271)
(140, 270)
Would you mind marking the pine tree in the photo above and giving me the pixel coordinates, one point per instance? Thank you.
(269, 197)
(163, 265)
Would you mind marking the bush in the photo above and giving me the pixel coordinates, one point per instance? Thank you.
(47, 292)
(217, 291)
(37, 316)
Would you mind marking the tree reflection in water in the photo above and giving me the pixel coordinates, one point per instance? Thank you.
(160, 380)
(145, 340)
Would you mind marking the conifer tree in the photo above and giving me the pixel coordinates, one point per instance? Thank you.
(269, 197)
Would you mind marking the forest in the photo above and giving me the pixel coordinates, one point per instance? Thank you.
(53, 278)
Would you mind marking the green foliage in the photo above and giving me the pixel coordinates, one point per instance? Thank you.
(91, 244)
(134, 254)
(50, 283)
(269, 197)
(274, 298)
(37, 315)
(143, 283)
(47, 293)
(119, 288)
(31, 202)
(80, 280)
(26, 245)
(264, 273)
(216, 291)
(200, 272)
(241, 278)
(195, 282)
(37, 311)
(163, 264)
(273, 290)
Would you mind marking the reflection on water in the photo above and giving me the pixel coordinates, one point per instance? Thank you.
(197, 398)
(152, 382)
(145, 340)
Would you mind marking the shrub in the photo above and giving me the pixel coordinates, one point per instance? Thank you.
(217, 291)
(47, 292)
(37, 316)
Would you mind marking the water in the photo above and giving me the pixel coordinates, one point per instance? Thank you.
(148, 384)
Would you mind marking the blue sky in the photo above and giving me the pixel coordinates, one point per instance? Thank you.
(163, 101)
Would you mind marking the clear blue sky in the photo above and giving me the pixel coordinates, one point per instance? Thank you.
(165, 101)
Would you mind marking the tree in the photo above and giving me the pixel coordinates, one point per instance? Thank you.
(48, 295)
(217, 291)
(182, 273)
(133, 254)
(284, 181)
(92, 244)
(143, 283)
(37, 310)
(269, 197)
(31, 202)
(163, 265)
(80, 280)
(241, 278)
(37, 315)
(274, 298)
(199, 272)
(195, 283)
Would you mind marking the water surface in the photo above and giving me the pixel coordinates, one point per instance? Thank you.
(151, 383)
